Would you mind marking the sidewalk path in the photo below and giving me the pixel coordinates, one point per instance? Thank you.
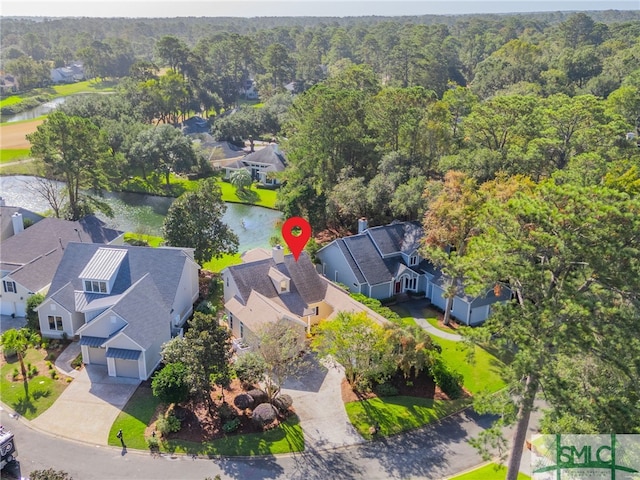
(63, 362)
(415, 308)
(317, 400)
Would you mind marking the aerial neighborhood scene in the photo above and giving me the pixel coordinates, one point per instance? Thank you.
(320, 240)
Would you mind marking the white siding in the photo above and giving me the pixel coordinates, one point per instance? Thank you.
(187, 291)
(51, 308)
(104, 325)
(13, 303)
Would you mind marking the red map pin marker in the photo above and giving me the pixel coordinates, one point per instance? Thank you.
(296, 244)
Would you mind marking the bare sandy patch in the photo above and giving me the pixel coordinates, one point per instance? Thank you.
(12, 136)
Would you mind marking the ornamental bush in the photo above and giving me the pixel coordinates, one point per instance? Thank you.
(243, 401)
(264, 414)
(283, 402)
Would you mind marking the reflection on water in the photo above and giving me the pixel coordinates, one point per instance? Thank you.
(35, 112)
(140, 213)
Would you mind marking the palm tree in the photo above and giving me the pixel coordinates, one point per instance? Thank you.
(413, 348)
(19, 341)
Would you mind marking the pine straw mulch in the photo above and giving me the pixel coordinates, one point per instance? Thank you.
(421, 386)
(198, 426)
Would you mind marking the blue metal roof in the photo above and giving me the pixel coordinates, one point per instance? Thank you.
(92, 341)
(123, 353)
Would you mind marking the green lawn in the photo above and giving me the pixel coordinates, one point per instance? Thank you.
(285, 438)
(406, 320)
(399, 414)
(218, 264)
(491, 471)
(480, 372)
(13, 155)
(134, 418)
(266, 198)
(433, 321)
(43, 391)
(137, 413)
(88, 86)
(151, 240)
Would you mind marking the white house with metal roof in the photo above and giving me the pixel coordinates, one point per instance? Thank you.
(384, 261)
(122, 302)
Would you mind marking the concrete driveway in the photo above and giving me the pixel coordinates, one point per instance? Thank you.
(7, 322)
(88, 407)
(317, 400)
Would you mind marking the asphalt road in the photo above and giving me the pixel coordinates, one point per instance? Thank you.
(431, 453)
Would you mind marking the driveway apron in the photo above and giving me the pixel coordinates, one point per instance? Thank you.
(88, 407)
(317, 400)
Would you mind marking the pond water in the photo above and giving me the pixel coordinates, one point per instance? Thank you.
(134, 212)
(36, 111)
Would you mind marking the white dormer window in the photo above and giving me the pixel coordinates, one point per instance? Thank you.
(95, 286)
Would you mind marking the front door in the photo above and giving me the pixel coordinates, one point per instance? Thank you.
(398, 287)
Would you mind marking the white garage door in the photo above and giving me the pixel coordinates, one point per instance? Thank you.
(6, 308)
(97, 356)
(127, 368)
(21, 309)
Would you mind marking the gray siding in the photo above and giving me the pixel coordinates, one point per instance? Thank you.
(333, 261)
(380, 291)
(460, 310)
(437, 297)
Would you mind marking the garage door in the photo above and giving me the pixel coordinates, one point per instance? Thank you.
(127, 368)
(21, 309)
(97, 356)
(6, 308)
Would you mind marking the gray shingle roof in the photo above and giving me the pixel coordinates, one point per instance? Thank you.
(267, 155)
(350, 260)
(37, 274)
(6, 224)
(374, 268)
(49, 233)
(401, 237)
(149, 321)
(306, 287)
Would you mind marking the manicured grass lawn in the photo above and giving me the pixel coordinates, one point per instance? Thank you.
(285, 438)
(266, 198)
(152, 240)
(218, 264)
(88, 86)
(433, 321)
(43, 390)
(13, 155)
(491, 471)
(481, 373)
(136, 415)
(406, 320)
(134, 418)
(399, 414)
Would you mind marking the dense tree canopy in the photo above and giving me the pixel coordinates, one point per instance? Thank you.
(195, 220)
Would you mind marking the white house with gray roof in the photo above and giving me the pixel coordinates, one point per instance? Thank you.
(262, 164)
(270, 286)
(381, 262)
(122, 302)
(30, 256)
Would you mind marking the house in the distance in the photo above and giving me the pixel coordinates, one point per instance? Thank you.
(262, 164)
(385, 261)
(14, 220)
(73, 72)
(270, 286)
(122, 302)
(29, 258)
